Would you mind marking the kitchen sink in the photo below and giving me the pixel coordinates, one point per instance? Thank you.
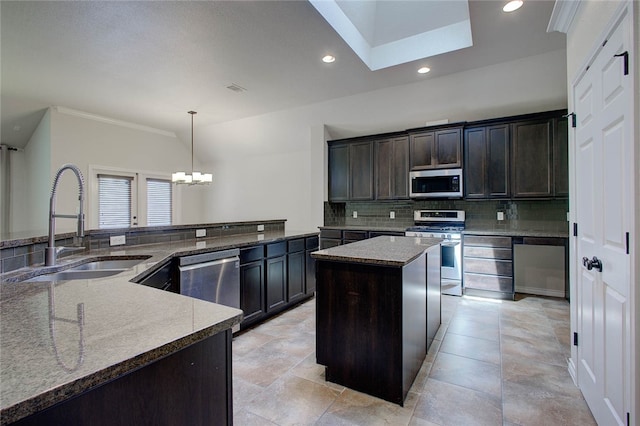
(74, 274)
(90, 270)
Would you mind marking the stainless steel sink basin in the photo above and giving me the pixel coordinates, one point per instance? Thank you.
(70, 274)
(106, 264)
(90, 270)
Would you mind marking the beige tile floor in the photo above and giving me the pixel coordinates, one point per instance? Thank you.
(492, 363)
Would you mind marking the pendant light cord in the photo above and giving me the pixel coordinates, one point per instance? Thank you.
(192, 114)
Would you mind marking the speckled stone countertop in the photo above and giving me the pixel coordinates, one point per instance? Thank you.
(59, 339)
(384, 251)
(518, 228)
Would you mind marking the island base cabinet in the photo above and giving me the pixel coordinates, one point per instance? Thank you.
(371, 326)
(190, 387)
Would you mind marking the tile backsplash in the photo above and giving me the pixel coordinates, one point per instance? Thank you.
(376, 213)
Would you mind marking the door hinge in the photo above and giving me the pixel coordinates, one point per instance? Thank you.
(627, 238)
(575, 338)
(625, 56)
(575, 229)
(573, 118)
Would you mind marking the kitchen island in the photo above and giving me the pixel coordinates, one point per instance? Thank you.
(378, 310)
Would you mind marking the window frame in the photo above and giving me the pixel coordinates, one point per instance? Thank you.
(138, 194)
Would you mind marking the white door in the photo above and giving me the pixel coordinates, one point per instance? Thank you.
(604, 207)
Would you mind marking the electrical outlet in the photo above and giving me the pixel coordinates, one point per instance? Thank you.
(201, 233)
(260, 228)
(392, 215)
(117, 240)
(500, 215)
(355, 214)
(201, 244)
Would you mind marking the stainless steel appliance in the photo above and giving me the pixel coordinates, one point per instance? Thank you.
(448, 225)
(440, 183)
(214, 277)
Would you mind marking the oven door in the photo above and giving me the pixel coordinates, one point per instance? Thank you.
(451, 255)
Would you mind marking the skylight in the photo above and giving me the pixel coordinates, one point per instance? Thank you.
(388, 33)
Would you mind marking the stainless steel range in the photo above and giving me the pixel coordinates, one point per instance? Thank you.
(448, 225)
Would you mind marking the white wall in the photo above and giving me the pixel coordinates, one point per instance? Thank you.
(85, 141)
(274, 165)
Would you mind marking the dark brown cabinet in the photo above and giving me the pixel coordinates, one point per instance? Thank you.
(295, 270)
(252, 297)
(561, 157)
(311, 245)
(351, 171)
(436, 149)
(276, 276)
(486, 159)
(532, 159)
(392, 168)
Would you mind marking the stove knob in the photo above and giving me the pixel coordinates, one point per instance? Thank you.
(444, 236)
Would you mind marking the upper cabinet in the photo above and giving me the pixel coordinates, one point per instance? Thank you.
(351, 171)
(392, 168)
(517, 157)
(486, 171)
(436, 149)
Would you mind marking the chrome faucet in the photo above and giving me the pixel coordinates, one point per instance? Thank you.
(51, 252)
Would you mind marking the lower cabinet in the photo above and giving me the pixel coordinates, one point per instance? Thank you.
(275, 276)
(488, 266)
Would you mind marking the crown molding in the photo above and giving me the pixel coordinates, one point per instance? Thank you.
(107, 120)
(562, 16)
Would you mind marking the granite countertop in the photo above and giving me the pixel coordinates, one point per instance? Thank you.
(60, 338)
(384, 251)
(518, 228)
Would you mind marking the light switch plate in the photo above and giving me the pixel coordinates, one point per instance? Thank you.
(260, 228)
(355, 214)
(500, 215)
(201, 233)
(117, 240)
(392, 215)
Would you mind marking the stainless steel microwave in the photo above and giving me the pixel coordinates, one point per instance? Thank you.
(441, 183)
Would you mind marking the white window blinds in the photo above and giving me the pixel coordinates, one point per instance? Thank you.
(158, 202)
(114, 208)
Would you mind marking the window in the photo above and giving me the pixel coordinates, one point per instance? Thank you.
(121, 198)
(114, 198)
(158, 202)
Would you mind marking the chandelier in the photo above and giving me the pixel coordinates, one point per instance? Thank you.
(193, 178)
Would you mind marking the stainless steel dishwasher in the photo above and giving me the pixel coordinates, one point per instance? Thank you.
(214, 277)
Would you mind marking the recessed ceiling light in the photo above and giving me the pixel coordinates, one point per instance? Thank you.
(424, 70)
(328, 59)
(512, 5)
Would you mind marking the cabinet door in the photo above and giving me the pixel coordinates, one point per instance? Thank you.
(532, 173)
(498, 161)
(392, 168)
(296, 275)
(252, 290)
(310, 270)
(339, 172)
(448, 148)
(276, 276)
(421, 145)
(361, 170)
(561, 158)
(475, 163)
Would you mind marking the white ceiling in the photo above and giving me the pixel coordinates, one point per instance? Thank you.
(150, 62)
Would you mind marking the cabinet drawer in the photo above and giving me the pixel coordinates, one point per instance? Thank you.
(355, 235)
(326, 243)
(295, 245)
(488, 266)
(488, 282)
(276, 249)
(331, 233)
(311, 243)
(251, 254)
(488, 252)
(487, 241)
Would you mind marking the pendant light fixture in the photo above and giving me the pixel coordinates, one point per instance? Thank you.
(193, 178)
